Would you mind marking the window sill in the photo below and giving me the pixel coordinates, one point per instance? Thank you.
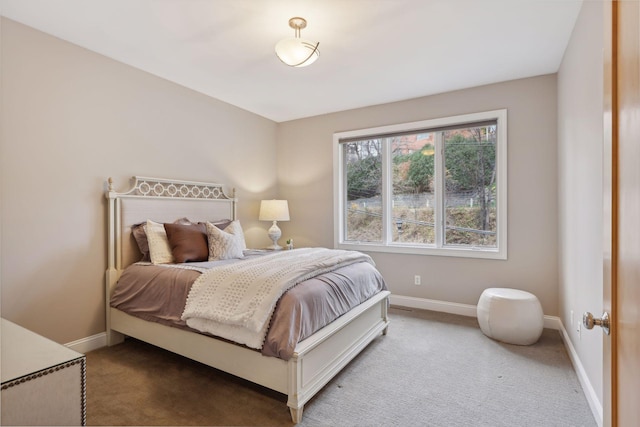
(420, 250)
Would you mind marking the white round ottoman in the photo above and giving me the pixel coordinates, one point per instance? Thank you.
(510, 315)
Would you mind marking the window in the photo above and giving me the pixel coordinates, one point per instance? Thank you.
(431, 187)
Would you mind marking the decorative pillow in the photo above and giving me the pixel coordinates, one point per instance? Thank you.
(138, 233)
(221, 223)
(188, 242)
(235, 228)
(159, 249)
(227, 243)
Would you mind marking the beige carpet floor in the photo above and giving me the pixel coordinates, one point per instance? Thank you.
(432, 369)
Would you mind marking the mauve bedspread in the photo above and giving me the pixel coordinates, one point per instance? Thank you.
(158, 294)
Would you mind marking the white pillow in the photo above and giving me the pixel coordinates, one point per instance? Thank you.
(159, 248)
(236, 228)
(225, 244)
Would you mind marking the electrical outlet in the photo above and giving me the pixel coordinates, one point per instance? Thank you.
(417, 280)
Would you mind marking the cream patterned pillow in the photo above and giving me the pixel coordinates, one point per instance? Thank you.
(159, 248)
(225, 244)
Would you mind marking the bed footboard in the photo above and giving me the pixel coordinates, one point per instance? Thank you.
(323, 355)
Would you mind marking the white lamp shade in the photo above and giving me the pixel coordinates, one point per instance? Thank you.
(297, 52)
(274, 210)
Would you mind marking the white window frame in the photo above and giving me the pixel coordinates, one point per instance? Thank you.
(387, 245)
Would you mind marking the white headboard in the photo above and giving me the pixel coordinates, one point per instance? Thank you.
(161, 200)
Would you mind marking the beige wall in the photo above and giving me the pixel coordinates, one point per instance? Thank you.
(72, 118)
(305, 174)
(580, 176)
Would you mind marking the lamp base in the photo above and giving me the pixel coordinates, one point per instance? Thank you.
(274, 235)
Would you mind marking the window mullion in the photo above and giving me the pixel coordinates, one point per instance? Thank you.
(342, 191)
(439, 190)
(387, 191)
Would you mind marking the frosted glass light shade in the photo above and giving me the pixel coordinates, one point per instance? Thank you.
(297, 52)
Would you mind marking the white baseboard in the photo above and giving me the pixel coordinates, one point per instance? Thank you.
(550, 322)
(587, 388)
(84, 345)
(434, 305)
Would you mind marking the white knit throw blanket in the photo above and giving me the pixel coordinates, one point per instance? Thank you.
(236, 301)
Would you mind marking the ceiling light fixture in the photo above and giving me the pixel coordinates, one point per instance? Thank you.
(295, 51)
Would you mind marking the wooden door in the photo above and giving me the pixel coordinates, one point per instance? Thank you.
(622, 212)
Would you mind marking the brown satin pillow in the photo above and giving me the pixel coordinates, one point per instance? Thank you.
(140, 236)
(188, 242)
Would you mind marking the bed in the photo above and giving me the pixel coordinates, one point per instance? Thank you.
(308, 366)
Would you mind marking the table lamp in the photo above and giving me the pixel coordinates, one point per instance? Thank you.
(274, 210)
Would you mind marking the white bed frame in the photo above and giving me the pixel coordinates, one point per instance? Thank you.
(316, 360)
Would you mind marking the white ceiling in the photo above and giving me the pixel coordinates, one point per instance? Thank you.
(371, 51)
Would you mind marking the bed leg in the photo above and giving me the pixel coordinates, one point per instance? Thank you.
(114, 337)
(296, 414)
(384, 331)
